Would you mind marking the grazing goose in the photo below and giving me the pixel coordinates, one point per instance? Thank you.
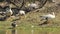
(8, 11)
(48, 16)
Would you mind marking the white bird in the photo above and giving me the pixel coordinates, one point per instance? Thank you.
(49, 16)
(21, 12)
(33, 5)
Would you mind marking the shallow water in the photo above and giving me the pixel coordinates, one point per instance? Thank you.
(22, 31)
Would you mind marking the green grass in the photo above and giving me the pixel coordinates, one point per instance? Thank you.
(24, 25)
(37, 30)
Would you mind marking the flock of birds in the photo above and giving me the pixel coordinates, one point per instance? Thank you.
(9, 12)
